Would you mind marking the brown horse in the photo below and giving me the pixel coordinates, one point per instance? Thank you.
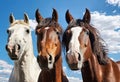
(48, 34)
(85, 50)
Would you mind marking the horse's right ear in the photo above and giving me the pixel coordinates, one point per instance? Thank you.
(87, 16)
(38, 16)
(11, 18)
(68, 16)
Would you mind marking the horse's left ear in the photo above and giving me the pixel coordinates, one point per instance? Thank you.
(87, 17)
(26, 19)
(55, 15)
(11, 18)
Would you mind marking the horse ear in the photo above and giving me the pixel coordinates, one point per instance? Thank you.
(87, 16)
(55, 15)
(26, 18)
(38, 16)
(68, 17)
(11, 18)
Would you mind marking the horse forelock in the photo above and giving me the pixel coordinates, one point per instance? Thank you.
(19, 22)
(74, 23)
(48, 22)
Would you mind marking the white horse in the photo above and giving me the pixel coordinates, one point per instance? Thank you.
(20, 49)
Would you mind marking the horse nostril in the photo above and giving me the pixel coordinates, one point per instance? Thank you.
(50, 57)
(18, 46)
(79, 57)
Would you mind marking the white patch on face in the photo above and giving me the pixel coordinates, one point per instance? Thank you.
(51, 62)
(74, 45)
(47, 28)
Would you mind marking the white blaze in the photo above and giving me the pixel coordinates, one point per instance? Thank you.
(74, 45)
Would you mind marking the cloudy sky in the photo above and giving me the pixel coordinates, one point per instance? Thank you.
(105, 16)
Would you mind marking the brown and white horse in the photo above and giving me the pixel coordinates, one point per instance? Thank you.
(20, 49)
(85, 50)
(48, 33)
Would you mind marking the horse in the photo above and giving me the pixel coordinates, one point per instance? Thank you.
(48, 33)
(85, 50)
(20, 50)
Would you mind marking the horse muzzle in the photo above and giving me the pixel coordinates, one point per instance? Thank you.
(73, 60)
(43, 63)
(13, 51)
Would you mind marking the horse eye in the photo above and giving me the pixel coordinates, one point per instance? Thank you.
(8, 31)
(57, 33)
(28, 31)
(87, 32)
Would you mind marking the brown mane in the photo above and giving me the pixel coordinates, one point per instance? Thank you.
(97, 44)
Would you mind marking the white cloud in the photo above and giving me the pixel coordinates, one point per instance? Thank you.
(113, 2)
(33, 24)
(109, 27)
(114, 11)
(5, 71)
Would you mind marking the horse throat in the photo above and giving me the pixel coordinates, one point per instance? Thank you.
(91, 71)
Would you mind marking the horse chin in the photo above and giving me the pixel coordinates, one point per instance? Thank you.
(74, 66)
(50, 66)
(14, 56)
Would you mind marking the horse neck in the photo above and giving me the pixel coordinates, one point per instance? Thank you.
(52, 75)
(47, 75)
(91, 70)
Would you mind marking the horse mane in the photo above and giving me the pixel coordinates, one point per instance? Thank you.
(48, 22)
(97, 44)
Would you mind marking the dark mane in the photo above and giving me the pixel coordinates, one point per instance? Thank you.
(97, 44)
(48, 22)
(74, 23)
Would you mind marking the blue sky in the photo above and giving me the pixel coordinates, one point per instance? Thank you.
(105, 17)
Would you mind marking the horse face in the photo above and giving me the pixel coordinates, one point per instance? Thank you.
(48, 46)
(76, 41)
(18, 36)
(48, 40)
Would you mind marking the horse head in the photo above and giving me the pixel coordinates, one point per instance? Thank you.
(19, 36)
(48, 33)
(81, 41)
